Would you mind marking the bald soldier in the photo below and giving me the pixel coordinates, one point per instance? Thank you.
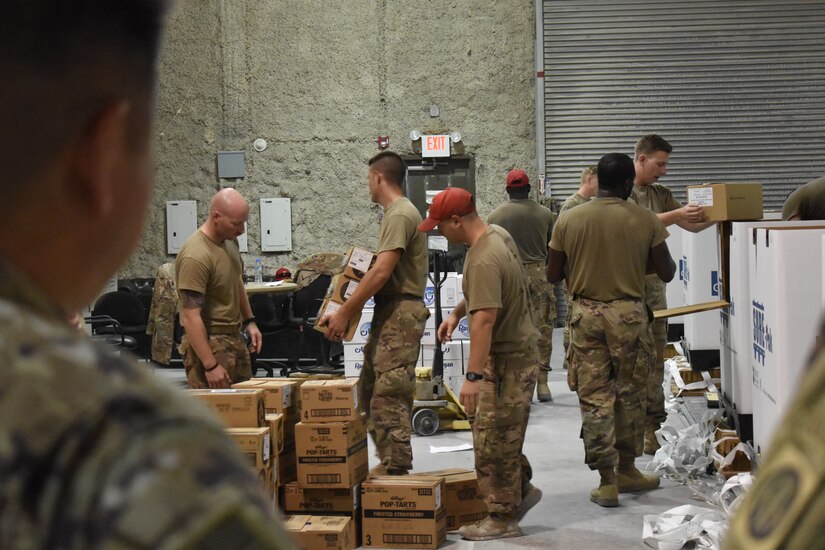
(96, 452)
(397, 280)
(531, 225)
(606, 246)
(214, 305)
(651, 159)
(501, 372)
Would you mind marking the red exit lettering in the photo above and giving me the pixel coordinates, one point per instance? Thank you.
(435, 142)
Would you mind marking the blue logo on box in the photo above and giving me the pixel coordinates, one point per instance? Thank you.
(714, 284)
(684, 271)
(464, 327)
(429, 296)
(365, 329)
(762, 337)
(359, 349)
(370, 303)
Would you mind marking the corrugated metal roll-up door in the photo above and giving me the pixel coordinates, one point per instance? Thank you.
(737, 87)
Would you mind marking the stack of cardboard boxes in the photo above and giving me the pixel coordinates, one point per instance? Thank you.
(244, 414)
(331, 448)
(357, 262)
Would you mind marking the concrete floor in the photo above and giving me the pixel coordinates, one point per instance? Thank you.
(565, 518)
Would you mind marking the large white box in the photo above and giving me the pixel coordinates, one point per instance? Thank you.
(352, 369)
(451, 351)
(785, 280)
(675, 290)
(364, 327)
(353, 352)
(700, 272)
(449, 294)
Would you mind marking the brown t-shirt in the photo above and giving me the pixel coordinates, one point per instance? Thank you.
(214, 270)
(529, 223)
(495, 278)
(607, 242)
(573, 201)
(399, 230)
(807, 202)
(655, 197)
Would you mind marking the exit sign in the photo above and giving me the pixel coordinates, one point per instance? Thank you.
(435, 146)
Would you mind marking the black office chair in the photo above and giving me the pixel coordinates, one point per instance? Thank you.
(271, 313)
(109, 332)
(125, 308)
(302, 317)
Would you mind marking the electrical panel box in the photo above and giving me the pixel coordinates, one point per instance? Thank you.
(231, 164)
(243, 241)
(276, 225)
(181, 221)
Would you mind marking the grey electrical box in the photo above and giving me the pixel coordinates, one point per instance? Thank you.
(181, 221)
(276, 225)
(231, 164)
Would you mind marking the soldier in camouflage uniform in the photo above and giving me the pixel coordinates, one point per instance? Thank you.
(785, 508)
(214, 304)
(531, 226)
(651, 157)
(161, 325)
(95, 452)
(503, 364)
(397, 281)
(605, 245)
(587, 190)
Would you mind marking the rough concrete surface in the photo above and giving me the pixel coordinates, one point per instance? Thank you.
(320, 81)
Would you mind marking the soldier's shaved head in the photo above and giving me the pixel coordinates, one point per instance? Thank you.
(390, 165)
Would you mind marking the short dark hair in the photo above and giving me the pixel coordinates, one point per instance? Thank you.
(614, 171)
(651, 143)
(522, 192)
(391, 165)
(62, 61)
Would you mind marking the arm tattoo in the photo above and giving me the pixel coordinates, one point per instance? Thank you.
(190, 299)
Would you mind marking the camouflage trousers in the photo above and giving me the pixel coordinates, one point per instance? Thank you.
(387, 382)
(231, 352)
(543, 310)
(609, 361)
(499, 425)
(655, 298)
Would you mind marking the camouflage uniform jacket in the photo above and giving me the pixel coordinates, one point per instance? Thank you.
(96, 453)
(161, 325)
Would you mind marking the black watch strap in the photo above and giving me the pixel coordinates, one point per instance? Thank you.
(249, 320)
(474, 376)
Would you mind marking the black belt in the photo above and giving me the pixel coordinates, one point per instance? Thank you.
(625, 299)
(388, 298)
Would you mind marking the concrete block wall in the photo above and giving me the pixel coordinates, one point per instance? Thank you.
(320, 81)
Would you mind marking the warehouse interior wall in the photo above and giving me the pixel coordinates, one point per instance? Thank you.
(320, 81)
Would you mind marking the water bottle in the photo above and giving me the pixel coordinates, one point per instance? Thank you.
(259, 271)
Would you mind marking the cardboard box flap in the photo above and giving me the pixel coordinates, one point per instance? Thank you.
(687, 310)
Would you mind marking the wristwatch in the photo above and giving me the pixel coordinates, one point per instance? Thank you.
(474, 376)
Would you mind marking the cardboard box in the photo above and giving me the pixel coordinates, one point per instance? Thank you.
(327, 502)
(275, 421)
(728, 201)
(287, 465)
(341, 288)
(238, 408)
(265, 475)
(329, 400)
(321, 532)
(463, 503)
(403, 513)
(786, 290)
(279, 393)
(254, 443)
(352, 369)
(328, 307)
(331, 455)
(688, 310)
(357, 262)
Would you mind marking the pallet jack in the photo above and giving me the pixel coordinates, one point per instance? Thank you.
(436, 406)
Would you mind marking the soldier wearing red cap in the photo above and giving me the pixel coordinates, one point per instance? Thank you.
(503, 361)
(531, 224)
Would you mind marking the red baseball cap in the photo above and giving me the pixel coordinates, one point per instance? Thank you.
(517, 178)
(282, 273)
(453, 201)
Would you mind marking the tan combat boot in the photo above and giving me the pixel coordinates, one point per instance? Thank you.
(381, 470)
(651, 443)
(606, 494)
(490, 528)
(630, 479)
(542, 389)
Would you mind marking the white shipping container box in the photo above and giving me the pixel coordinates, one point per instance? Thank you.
(352, 369)
(364, 326)
(353, 352)
(700, 272)
(452, 351)
(675, 290)
(454, 383)
(785, 280)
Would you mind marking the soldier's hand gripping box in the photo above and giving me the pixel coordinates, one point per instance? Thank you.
(328, 307)
(279, 394)
(331, 455)
(329, 400)
(403, 513)
(238, 408)
(357, 262)
(254, 443)
(321, 532)
(327, 502)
